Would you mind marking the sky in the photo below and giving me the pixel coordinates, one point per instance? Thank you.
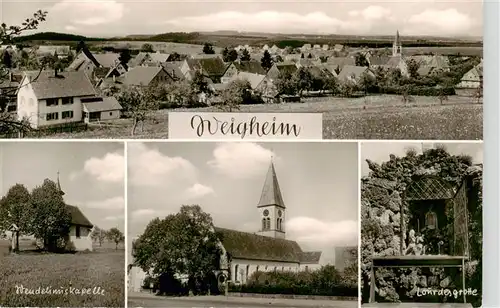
(380, 151)
(354, 17)
(91, 175)
(319, 184)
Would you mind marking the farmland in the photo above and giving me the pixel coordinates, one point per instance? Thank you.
(381, 117)
(102, 269)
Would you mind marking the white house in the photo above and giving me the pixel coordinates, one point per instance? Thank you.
(265, 251)
(100, 109)
(472, 79)
(53, 98)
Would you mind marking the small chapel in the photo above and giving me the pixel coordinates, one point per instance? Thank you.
(266, 250)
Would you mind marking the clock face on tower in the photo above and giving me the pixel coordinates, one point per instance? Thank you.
(266, 212)
(279, 213)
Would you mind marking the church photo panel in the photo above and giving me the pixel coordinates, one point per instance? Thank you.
(62, 224)
(230, 222)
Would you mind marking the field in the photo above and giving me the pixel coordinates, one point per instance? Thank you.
(372, 117)
(102, 269)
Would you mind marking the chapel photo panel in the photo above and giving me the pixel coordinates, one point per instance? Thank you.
(242, 224)
(62, 225)
(421, 224)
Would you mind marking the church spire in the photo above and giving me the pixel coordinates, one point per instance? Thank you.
(397, 46)
(271, 192)
(59, 185)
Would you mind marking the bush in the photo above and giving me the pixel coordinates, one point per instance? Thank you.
(326, 281)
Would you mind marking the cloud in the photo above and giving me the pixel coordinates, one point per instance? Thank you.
(314, 231)
(88, 12)
(442, 22)
(272, 21)
(109, 168)
(115, 218)
(70, 28)
(115, 203)
(199, 190)
(240, 159)
(149, 167)
(143, 213)
(372, 12)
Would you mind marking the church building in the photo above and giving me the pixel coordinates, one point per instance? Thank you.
(265, 250)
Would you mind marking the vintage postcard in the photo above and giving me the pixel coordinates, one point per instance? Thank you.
(62, 224)
(123, 69)
(242, 224)
(421, 224)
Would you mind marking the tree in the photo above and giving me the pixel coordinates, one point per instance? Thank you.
(15, 208)
(184, 243)
(225, 54)
(360, 60)
(125, 56)
(478, 94)
(442, 95)
(285, 84)
(50, 217)
(232, 56)
(413, 67)
(405, 94)
(303, 79)
(138, 103)
(236, 92)
(245, 55)
(181, 93)
(199, 84)
(174, 57)
(331, 84)
(146, 47)
(367, 82)
(8, 122)
(98, 235)
(7, 59)
(208, 49)
(115, 236)
(267, 61)
(347, 88)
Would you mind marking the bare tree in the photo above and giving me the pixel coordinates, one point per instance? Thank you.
(8, 122)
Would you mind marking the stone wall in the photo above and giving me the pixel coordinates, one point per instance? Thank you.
(381, 233)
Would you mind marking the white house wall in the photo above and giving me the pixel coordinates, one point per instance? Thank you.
(84, 242)
(27, 103)
(110, 115)
(76, 107)
(242, 269)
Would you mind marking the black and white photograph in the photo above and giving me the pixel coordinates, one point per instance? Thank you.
(62, 224)
(116, 69)
(240, 224)
(421, 224)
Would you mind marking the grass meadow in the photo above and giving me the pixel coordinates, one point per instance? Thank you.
(370, 117)
(103, 268)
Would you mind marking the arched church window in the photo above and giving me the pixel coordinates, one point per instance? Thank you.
(431, 220)
(275, 268)
(236, 272)
(268, 223)
(278, 224)
(247, 273)
(257, 268)
(282, 268)
(266, 268)
(263, 224)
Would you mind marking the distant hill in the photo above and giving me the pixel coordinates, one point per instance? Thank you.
(234, 38)
(54, 36)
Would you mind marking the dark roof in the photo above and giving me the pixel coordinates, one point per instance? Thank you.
(310, 257)
(379, 60)
(174, 70)
(141, 75)
(319, 72)
(341, 61)
(66, 84)
(352, 71)
(243, 245)
(107, 104)
(77, 217)
(271, 192)
(253, 67)
(210, 66)
(286, 68)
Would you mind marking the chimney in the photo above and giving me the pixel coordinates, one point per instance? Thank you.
(114, 78)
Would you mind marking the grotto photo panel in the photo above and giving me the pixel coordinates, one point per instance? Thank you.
(421, 223)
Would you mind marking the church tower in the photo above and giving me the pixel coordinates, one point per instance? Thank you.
(397, 46)
(59, 185)
(271, 207)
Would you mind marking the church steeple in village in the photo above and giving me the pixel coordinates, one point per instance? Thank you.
(271, 206)
(59, 185)
(397, 46)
